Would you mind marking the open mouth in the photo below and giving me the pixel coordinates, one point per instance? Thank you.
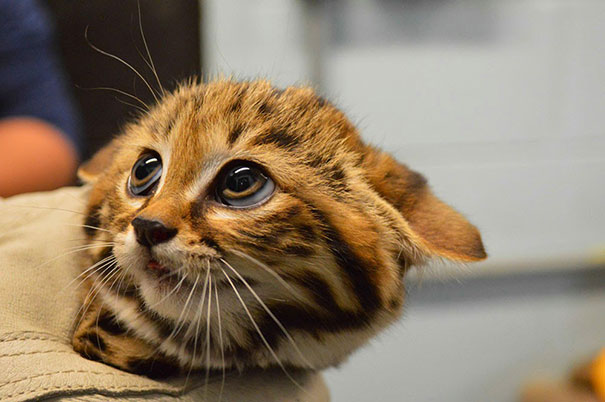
(157, 269)
(167, 278)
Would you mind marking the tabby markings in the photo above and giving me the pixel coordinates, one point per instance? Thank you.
(279, 138)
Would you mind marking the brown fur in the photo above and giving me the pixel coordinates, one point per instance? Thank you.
(344, 224)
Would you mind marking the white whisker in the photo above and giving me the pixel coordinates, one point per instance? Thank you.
(150, 64)
(131, 96)
(73, 250)
(85, 239)
(270, 313)
(208, 338)
(102, 284)
(124, 275)
(51, 208)
(80, 247)
(92, 293)
(120, 275)
(220, 339)
(260, 333)
(181, 321)
(174, 289)
(121, 61)
(199, 313)
(268, 270)
(140, 109)
(92, 267)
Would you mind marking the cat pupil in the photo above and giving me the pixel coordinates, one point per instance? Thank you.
(146, 168)
(240, 180)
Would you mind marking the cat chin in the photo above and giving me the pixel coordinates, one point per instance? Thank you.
(161, 301)
(168, 298)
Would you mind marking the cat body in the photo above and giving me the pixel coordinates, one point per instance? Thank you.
(240, 225)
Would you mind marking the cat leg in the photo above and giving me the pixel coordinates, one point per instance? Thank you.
(100, 337)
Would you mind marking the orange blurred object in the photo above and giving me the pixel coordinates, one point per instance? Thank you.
(597, 374)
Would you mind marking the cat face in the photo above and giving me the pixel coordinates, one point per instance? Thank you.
(251, 227)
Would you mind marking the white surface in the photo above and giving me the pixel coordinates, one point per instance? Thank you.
(474, 351)
(256, 38)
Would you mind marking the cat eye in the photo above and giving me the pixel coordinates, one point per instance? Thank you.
(243, 184)
(145, 174)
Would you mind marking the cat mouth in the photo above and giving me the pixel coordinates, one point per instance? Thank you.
(165, 277)
(157, 268)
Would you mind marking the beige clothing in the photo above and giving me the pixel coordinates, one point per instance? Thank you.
(38, 302)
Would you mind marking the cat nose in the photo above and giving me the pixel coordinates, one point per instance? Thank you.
(151, 232)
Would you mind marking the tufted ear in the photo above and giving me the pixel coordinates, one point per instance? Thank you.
(89, 171)
(439, 230)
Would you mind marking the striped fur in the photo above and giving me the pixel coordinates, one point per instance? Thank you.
(301, 280)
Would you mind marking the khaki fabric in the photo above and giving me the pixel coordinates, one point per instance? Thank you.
(38, 264)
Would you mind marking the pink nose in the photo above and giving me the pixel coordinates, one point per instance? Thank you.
(152, 232)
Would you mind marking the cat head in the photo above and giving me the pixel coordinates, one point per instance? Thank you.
(264, 209)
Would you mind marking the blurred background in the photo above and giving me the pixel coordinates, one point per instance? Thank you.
(501, 104)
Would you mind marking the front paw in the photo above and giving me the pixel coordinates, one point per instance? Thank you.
(100, 337)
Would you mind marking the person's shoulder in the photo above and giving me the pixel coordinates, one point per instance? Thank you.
(23, 22)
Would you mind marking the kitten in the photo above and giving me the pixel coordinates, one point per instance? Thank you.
(248, 226)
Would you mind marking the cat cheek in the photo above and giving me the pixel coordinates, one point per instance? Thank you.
(130, 240)
(128, 252)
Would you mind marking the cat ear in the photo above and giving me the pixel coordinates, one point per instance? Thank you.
(89, 171)
(438, 230)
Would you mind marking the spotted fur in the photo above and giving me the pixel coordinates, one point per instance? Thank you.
(325, 255)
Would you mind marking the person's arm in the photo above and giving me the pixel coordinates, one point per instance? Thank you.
(39, 127)
(34, 156)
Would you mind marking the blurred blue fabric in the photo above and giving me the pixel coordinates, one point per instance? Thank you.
(32, 82)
